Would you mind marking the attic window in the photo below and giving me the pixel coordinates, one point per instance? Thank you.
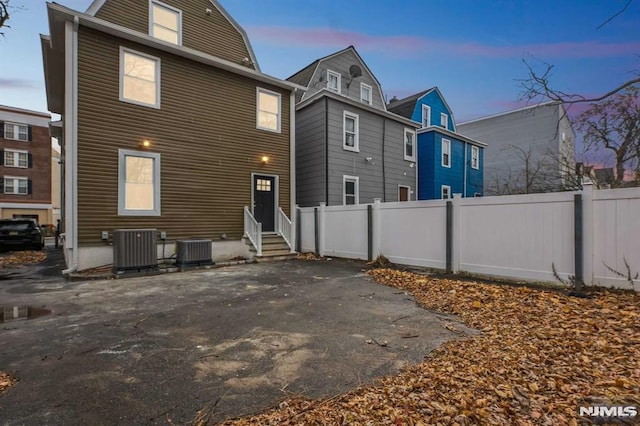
(444, 120)
(365, 93)
(333, 81)
(165, 22)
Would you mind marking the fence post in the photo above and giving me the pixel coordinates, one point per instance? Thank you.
(578, 256)
(456, 230)
(369, 232)
(449, 234)
(376, 229)
(587, 233)
(321, 233)
(316, 232)
(298, 240)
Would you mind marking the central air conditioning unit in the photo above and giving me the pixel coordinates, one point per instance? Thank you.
(134, 250)
(193, 253)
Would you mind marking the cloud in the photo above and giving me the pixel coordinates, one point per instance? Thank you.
(17, 83)
(411, 45)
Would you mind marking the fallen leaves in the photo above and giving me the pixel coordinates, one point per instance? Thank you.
(6, 381)
(18, 258)
(541, 356)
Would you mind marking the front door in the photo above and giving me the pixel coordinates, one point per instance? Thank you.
(264, 201)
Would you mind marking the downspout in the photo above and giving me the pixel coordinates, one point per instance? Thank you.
(384, 179)
(326, 150)
(292, 165)
(464, 173)
(71, 76)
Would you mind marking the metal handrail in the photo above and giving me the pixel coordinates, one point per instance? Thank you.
(253, 230)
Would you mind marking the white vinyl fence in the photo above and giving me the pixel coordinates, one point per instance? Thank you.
(518, 236)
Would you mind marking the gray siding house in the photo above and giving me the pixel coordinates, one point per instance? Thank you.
(529, 149)
(349, 148)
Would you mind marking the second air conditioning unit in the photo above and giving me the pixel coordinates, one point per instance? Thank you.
(193, 253)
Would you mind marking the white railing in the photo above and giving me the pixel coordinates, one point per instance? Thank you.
(253, 230)
(284, 227)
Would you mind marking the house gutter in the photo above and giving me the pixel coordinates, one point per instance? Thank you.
(292, 164)
(384, 179)
(71, 137)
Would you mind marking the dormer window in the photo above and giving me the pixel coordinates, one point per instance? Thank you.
(365, 93)
(165, 22)
(333, 81)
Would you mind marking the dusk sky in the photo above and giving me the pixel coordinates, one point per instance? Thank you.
(472, 50)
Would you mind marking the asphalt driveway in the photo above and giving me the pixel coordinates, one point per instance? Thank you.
(232, 340)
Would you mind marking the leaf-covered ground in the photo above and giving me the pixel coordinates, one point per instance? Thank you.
(541, 355)
(17, 259)
(6, 381)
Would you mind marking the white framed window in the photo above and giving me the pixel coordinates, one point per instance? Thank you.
(365, 93)
(16, 185)
(409, 144)
(14, 158)
(165, 22)
(16, 131)
(268, 110)
(444, 120)
(426, 116)
(445, 192)
(334, 81)
(446, 153)
(404, 193)
(350, 190)
(139, 78)
(138, 183)
(351, 132)
(475, 157)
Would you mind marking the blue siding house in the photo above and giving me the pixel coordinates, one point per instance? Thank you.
(448, 163)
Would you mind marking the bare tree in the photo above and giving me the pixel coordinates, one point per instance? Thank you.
(4, 14)
(538, 87)
(614, 125)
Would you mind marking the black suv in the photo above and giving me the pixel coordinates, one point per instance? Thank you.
(22, 234)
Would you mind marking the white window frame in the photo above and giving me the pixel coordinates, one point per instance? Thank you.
(279, 96)
(408, 192)
(444, 120)
(339, 81)
(447, 143)
(427, 109)
(356, 139)
(122, 210)
(356, 180)
(475, 155)
(16, 131)
(13, 153)
(364, 87)
(124, 50)
(404, 144)
(16, 186)
(171, 9)
(444, 188)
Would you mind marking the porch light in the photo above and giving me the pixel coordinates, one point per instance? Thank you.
(264, 159)
(145, 144)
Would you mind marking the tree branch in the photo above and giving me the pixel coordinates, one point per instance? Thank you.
(620, 12)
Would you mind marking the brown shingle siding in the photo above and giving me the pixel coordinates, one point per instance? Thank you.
(212, 34)
(205, 132)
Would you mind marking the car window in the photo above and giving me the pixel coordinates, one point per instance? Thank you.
(17, 226)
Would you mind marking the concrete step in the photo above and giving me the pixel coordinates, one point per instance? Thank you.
(275, 257)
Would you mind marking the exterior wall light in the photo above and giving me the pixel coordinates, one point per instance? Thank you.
(264, 159)
(145, 144)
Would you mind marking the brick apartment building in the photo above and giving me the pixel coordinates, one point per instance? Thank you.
(25, 165)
